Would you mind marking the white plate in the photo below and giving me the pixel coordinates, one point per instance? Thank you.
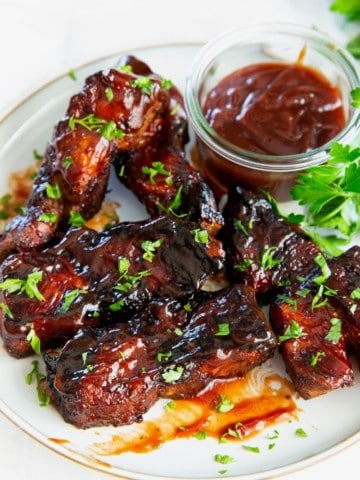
(332, 422)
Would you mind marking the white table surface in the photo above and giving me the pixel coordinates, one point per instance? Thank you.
(41, 39)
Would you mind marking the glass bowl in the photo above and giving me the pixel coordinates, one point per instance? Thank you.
(224, 164)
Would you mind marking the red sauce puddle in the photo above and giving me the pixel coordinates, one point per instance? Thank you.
(258, 400)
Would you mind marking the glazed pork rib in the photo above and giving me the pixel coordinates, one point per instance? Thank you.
(345, 280)
(90, 276)
(117, 112)
(160, 175)
(286, 268)
(74, 172)
(263, 249)
(169, 351)
(311, 342)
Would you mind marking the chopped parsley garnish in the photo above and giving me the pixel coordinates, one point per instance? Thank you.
(300, 432)
(53, 191)
(166, 84)
(163, 357)
(315, 358)
(244, 265)
(48, 217)
(248, 448)
(355, 294)
(155, 169)
(223, 330)
(37, 155)
(44, 399)
(106, 128)
(334, 333)
(126, 68)
(150, 248)
(200, 236)
(174, 205)
(67, 162)
(6, 309)
(173, 375)
(290, 301)
(293, 331)
(267, 261)
(34, 341)
(224, 405)
(28, 285)
(76, 219)
(109, 94)
(223, 459)
(145, 84)
(69, 298)
(127, 281)
(240, 226)
(72, 74)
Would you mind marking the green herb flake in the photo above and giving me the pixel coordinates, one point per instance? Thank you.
(6, 309)
(248, 448)
(300, 432)
(72, 75)
(224, 405)
(48, 217)
(109, 94)
(290, 301)
(315, 358)
(53, 191)
(37, 155)
(355, 294)
(155, 169)
(171, 405)
(166, 84)
(224, 459)
(69, 298)
(334, 333)
(34, 341)
(200, 236)
(149, 247)
(174, 205)
(44, 399)
(267, 261)
(126, 68)
(241, 227)
(173, 375)
(67, 162)
(163, 357)
(76, 219)
(242, 267)
(223, 330)
(292, 331)
(29, 285)
(200, 435)
(145, 84)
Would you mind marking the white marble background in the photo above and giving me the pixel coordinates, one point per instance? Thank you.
(41, 39)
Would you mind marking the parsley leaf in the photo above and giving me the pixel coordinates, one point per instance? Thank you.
(331, 194)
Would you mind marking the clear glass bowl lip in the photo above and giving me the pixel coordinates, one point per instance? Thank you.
(266, 162)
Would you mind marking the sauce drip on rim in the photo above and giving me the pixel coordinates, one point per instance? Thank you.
(275, 108)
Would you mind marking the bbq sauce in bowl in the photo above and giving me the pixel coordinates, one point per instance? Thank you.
(266, 102)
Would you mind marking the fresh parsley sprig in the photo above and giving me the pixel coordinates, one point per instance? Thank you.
(331, 194)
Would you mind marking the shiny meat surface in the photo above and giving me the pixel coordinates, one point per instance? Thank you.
(118, 114)
(263, 249)
(169, 350)
(106, 275)
(312, 347)
(345, 280)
